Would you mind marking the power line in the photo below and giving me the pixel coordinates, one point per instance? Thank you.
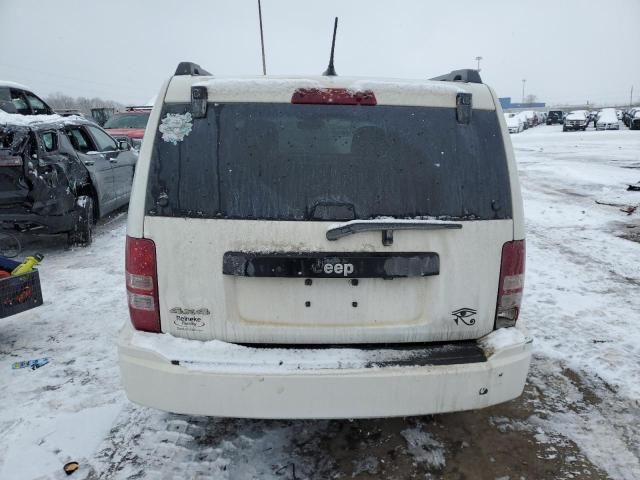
(77, 79)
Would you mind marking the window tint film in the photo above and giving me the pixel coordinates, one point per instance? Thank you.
(103, 141)
(20, 102)
(5, 101)
(37, 106)
(49, 141)
(328, 162)
(79, 139)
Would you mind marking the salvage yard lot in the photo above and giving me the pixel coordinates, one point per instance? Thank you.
(578, 418)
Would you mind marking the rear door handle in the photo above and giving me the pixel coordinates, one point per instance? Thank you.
(89, 163)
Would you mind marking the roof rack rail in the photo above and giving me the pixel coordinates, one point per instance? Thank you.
(190, 68)
(466, 75)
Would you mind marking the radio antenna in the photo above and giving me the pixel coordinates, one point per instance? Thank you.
(264, 63)
(331, 71)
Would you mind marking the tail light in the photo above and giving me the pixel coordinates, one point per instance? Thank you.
(142, 284)
(511, 283)
(333, 96)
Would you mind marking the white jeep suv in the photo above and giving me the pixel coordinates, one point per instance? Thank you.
(324, 247)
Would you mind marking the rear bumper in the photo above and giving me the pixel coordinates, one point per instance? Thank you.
(608, 126)
(219, 382)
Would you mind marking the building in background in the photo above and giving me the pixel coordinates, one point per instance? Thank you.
(505, 102)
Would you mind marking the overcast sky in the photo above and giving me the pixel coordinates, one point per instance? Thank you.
(568, 50)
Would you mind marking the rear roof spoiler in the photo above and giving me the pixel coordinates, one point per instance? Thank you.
(466, 75)
(190, 68)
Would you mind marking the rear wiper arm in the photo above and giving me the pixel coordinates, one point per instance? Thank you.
(386, 227)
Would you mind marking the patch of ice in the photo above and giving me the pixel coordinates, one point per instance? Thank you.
(175, 126)
(424, 447)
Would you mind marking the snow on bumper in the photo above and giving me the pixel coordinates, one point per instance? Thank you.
(220, 379)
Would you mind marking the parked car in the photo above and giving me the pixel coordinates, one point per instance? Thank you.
(607, 119)
(60, 174)
(634, 120)
(524, 119)
(554, 117)
(514, 122)
(267, 220)
(629, 114)
(129, 125)
(16, 98)
(576, 120)
(532, 119)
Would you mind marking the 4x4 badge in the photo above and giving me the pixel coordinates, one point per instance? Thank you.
(464, 315)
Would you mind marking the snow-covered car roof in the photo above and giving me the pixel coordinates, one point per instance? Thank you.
(279, 89)
(7, 83)
(513, 121)
(37, 121)
(578, 115)
(608, 115)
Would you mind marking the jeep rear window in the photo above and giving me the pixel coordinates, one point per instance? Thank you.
(328, 162)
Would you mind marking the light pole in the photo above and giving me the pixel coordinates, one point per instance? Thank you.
(478, 60)
(524, 80)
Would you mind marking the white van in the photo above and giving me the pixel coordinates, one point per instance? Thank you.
(324, 247)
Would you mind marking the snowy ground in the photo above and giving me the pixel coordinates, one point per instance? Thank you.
(578, 418)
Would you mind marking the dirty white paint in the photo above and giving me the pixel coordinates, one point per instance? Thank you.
(256, 310)
(257, 390)
(175, 126)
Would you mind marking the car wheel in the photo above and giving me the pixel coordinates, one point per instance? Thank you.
(564, 129)
(82, 233)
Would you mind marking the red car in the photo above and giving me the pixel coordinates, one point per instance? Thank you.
(129, 125)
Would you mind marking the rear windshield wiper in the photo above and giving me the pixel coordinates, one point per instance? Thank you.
(386, 227)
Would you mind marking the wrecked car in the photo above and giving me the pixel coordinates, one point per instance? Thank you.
(60, 174)
(324, 247)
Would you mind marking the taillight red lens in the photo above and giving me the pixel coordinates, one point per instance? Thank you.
(511, 283)
(333, 96)
(142, 284)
